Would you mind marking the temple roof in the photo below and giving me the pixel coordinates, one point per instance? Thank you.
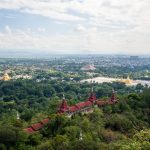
(29, 130)
(45, 121)
(92, 97)
(37, 126)
(72, 109)
(63, 106)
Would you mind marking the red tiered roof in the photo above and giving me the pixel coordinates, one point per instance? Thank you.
(45, 121)
(101, 102)
(88, 103)
(73, 108)
(63, 107)
(112, 102)
(29, 130)
(113, 96)
(92, 97)
(80, 105)
(37, 126)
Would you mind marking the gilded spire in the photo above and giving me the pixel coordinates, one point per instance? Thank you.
(127, 81)
(6, 77)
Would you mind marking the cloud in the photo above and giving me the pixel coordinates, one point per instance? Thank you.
(8, 30)
(98, 26)
(98, 12)
(84, 29)
(41, 29)
(80, 28)
(53, 9)
(79, 42)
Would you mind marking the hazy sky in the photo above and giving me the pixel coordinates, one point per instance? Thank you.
(76, 26)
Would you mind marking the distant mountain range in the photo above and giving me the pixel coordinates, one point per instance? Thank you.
(39, 53)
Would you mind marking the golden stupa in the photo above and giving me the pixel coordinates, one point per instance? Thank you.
(6, 77)
(127, 81)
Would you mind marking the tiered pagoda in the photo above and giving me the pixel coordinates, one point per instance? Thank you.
(88, 67)
(127, 81)
(6, 77)
(63, 106)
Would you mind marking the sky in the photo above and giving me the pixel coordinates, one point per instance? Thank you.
(75, 26)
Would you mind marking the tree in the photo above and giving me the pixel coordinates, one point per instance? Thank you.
(72, 132)
(85, 145)
(60, 142)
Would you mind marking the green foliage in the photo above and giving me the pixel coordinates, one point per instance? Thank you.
(140, 141)
(34, 139)
(60, 142)
(119, 123)
(120, 126)
(85, 145)
(72, 132)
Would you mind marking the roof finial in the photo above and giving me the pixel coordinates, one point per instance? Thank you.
(80, 136)
(92, 89)
(63, 96)
(18, 116)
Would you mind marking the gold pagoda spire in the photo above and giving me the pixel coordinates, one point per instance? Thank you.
(127, 81)
(6, 77)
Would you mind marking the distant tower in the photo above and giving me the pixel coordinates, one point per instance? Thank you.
(63, 106)
(6, 77)
(127, 81)
(92, 96)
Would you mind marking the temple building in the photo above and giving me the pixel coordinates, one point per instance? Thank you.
(37, 126)
(127, 81)
(83, 107)
(6, 77)
(88, 68)
(86, 106)
(111, 101)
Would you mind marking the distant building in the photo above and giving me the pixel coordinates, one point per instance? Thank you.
(86, 106)
(6, 77)
(83, 107)
(88, 67)
(127, 81)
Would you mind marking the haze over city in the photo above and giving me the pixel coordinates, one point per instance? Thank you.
(75, 26)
